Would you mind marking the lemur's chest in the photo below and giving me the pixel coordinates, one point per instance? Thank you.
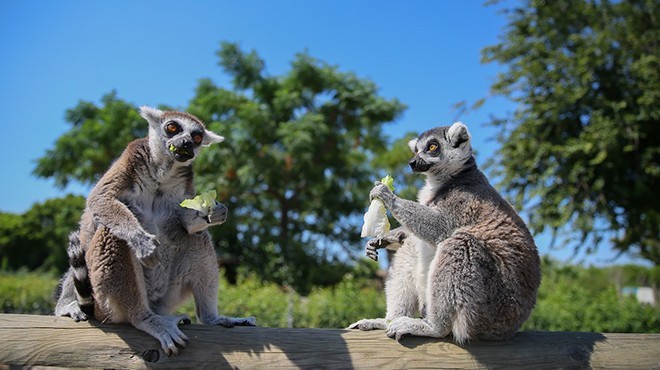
(154, 202)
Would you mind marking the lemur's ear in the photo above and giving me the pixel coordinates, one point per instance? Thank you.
(458, 134)
(211, 137)
(412, 144)
(152, 115)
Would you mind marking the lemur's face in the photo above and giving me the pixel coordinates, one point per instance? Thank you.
(183, 135)
(441, 150)
(180, 134)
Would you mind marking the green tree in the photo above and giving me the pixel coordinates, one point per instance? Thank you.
(394, 162)
(294, 170)
(581, 148)
(38, 238)
(97, 137)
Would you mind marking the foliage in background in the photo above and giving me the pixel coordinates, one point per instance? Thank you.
(97, 137)
(581, 152)
(394, 162)
(294, 170)
(27, 292)
(38, 238)
(571, 298)
(586, 299)
(272, 305)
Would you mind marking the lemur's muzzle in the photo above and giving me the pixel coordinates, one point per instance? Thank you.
(184, 151)
(419, 165)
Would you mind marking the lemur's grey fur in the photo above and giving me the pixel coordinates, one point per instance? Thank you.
(138, 254)
(465, 260)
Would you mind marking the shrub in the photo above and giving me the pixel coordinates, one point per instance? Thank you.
(268, 302)
(339, 306)
(569, 300)
(28, 293)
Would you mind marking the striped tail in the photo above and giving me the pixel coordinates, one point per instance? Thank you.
(80, 277)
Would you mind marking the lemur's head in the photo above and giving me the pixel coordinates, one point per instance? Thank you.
(177, 134)
(441, 151)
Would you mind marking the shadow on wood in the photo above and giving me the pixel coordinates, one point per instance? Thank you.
(29, 340)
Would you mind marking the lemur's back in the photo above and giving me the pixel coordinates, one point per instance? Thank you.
(501, 251)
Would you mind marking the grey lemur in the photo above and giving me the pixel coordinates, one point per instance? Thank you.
(138, 254)
(466, 261)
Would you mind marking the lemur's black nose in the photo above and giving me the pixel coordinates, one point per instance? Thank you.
(419, 165)
(187, 144)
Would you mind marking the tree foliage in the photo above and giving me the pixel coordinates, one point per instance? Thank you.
(97, 137)
(294, 169)
(571, 298)
(581, 148)
(576, 298)
(38, 238)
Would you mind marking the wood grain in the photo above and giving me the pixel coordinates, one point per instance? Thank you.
(31, 340)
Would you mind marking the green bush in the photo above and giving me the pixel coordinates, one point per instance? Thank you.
(274, 306)
(574, 298)
(268, 302)
(29, 293)
(571, 298)
(338, 307)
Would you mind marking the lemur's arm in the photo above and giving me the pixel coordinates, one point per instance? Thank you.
(108, 210)
(425, 222)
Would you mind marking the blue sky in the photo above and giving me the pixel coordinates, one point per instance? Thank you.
(56, 53)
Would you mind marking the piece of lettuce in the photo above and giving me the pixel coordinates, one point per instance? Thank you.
(375, 220)
(203, 203)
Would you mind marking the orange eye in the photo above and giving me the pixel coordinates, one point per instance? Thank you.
(197, 138)
(432, 147)
(172, 128)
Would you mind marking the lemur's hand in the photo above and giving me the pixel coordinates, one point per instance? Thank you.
(373, 245)
(382, 192)
(391, 240)
(146, 249)
(218, 215)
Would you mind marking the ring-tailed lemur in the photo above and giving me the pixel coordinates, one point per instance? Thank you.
(465, 261)
(138, 254)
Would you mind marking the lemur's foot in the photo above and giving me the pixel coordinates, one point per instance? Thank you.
(369, 324)
(166, 330)
(230, 322)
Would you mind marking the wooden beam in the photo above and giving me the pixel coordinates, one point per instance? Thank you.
(30, 340)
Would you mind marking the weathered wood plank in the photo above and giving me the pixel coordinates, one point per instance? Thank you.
(30, 340)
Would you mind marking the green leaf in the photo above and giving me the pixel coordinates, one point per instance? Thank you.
(388, 181)
(203, 202)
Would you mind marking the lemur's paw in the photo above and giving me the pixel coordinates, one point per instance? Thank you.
(371, 253)
(166, 330)
(245, 321)
(369, 324)
(146, 250)
(73, 311)
(381, 191)
(373, 245)
(219, 214)
(402, 326)
(230, 322)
